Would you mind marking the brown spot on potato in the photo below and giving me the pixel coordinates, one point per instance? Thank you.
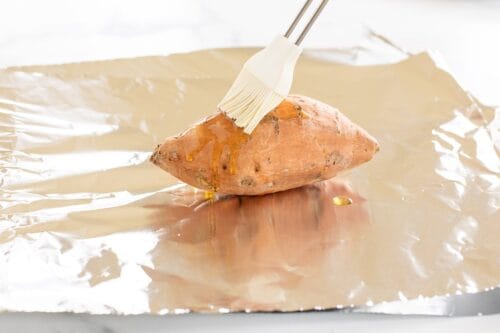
(173, 156)
(276, 124)
(333, 158)
(156, 155)
(247, 181)
(202, 180)
(257, 167)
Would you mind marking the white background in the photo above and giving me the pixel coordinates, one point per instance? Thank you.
(466, 33)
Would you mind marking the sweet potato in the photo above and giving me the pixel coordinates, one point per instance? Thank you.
(300, 142)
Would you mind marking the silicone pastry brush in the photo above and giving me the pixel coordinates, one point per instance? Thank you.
(266, 77)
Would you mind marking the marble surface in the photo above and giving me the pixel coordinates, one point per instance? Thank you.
(55, 31)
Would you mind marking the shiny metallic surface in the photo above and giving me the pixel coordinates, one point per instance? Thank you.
(87, 224)
(477, 304)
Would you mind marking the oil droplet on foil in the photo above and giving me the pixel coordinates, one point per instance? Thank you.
(209, 195)
(341, 200)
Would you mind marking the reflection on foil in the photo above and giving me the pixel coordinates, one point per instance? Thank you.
(267, 252)
(87, 224)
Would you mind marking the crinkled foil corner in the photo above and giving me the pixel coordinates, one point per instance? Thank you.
(87, 224)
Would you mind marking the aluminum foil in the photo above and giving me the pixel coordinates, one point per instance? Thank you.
(87, 224)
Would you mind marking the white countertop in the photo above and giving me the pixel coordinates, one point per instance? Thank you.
(275, 323)
(55, 31)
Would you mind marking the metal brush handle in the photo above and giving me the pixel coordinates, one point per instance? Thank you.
(309, 24)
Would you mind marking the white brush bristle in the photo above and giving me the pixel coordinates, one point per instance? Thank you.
(248, 101)
(262, 84)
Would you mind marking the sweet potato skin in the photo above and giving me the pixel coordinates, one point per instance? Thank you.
(300, 142)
